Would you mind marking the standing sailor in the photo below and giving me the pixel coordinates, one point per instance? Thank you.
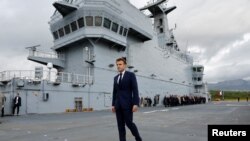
(17, 103)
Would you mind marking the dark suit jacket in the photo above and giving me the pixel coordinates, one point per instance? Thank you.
(125, 95)
(19, 103)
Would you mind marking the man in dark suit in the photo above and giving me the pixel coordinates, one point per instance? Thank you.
(125, 100)
(17, 103)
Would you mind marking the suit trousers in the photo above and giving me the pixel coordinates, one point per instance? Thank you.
(2, 112)
(125, 116)
(14, 108)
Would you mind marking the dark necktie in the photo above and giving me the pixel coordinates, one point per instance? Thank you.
(120, 79)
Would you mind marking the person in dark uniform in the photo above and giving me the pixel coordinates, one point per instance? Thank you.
(17, 103)
(2, 108)
(125, 100)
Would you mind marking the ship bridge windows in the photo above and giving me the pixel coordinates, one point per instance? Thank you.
(107, 23)
(80, 22)
(73, 26)
(67, 29)
(61, 32)
(98, 21)
(125, 32)
(115, 27)
(55, 35)
(89, 20)
(121, 30)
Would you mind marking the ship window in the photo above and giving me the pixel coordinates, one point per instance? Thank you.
(161, 30)
(89, 20)
(55, 34)
(160, 21)
(80, 22)
(199, 69)
(61, 32)
(73, 26)
(121, 30)
(114, 27)
(107, 23)
(67, 29)
(199, 79)
(125, 31)
(194, 69)
(98, 21)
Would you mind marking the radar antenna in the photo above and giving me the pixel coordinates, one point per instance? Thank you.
(32, 47)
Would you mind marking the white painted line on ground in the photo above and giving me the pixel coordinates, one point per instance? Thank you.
(150, 112)
(165, 110)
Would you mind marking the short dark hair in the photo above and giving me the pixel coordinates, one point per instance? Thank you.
(123, 59)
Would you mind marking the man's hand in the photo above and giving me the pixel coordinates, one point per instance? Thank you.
(135, 108)
(113, 109)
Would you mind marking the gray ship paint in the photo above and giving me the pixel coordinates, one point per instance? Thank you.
(88, 36)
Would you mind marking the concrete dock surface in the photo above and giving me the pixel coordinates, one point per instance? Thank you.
(180, 123)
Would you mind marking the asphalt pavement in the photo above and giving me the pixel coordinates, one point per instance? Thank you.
(181, 123)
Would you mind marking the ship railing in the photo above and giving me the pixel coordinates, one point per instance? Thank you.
(181, 56)
(198, 83)
(71, 1)
(152, 2)
(74, 2)
(198, 73)
(42, 54)
(22, 74)
(74, 78)
(51, 76)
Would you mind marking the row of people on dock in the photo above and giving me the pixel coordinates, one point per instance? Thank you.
(172, 100)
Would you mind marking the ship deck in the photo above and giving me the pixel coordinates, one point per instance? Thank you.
(187, 123)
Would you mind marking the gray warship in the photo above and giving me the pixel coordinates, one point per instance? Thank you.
(77, 75)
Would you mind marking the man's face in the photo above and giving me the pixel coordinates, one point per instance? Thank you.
(120, 66)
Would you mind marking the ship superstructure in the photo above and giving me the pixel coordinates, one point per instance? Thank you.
(88, 36)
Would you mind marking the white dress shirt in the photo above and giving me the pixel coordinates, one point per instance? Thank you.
(17, 100)
(119, 76)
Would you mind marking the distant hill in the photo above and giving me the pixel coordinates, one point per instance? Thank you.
(231, 85)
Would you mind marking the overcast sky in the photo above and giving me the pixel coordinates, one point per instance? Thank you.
(216, 32)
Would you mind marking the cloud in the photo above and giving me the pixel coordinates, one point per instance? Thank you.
(230, 62)
(23, 24)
